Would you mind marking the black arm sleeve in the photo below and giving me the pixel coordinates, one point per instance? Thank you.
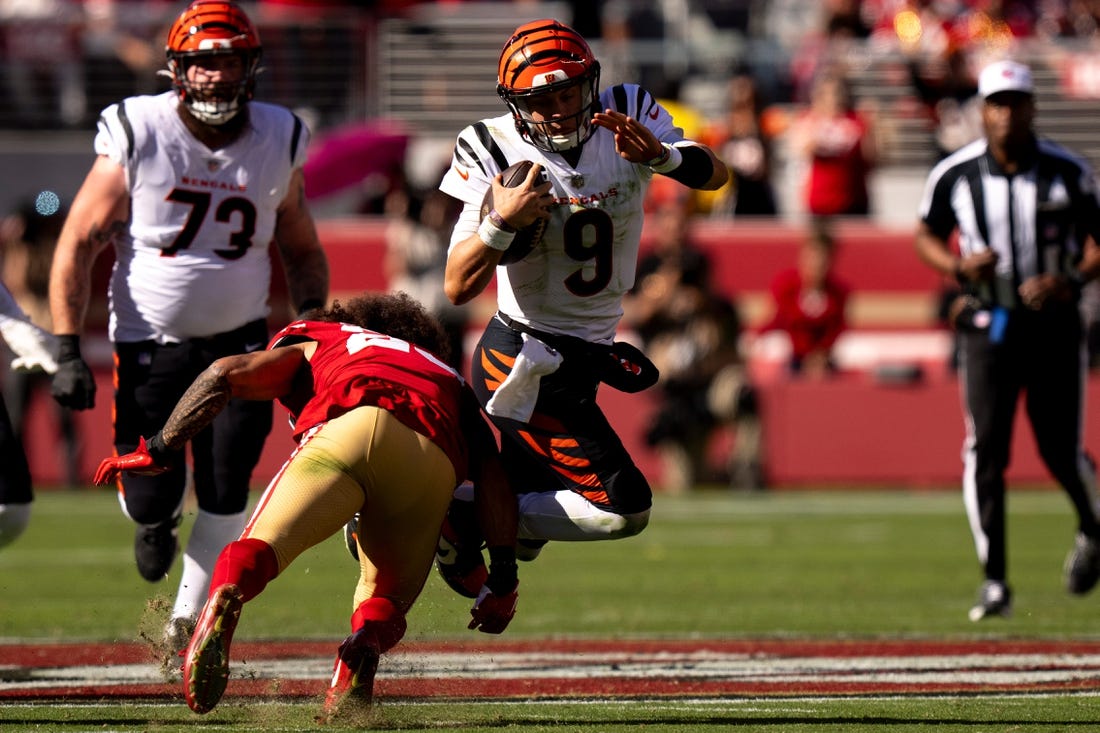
(695, 169)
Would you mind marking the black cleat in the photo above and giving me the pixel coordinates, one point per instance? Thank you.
(155, 547)
(994, 599)
(1082, 567)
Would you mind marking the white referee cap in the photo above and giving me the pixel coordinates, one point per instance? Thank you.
(1005, 76)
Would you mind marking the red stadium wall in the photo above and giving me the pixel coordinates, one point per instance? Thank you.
(852, 430)
(848, 432)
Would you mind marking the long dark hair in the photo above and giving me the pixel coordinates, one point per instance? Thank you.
(395, 314)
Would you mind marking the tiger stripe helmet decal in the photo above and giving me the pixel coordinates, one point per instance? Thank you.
(546, 56)
(213, 27)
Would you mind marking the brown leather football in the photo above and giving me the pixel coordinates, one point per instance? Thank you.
(528, 237)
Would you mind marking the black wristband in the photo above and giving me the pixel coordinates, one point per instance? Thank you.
(161, 454)
(68, 347)
(503, 573)
(310, 304)
(695, 169)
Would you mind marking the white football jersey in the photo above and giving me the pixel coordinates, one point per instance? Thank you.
(194, 261)
(574, 281)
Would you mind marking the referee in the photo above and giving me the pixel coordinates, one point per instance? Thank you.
(1028, 223)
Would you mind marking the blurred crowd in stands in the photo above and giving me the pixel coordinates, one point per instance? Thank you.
(61, 61)
(79, 49)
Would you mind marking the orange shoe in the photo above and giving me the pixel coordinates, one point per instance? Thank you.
(206, 661)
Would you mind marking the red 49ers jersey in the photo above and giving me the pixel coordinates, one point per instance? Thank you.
(354, 367)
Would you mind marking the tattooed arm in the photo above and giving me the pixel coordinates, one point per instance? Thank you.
(260, 375)
(99, 212)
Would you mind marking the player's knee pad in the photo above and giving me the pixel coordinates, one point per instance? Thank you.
(14, 519)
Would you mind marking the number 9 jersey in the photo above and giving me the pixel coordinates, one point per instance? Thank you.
(573, 282)
(194, 261)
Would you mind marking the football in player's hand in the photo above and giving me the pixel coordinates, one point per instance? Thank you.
(528, 237)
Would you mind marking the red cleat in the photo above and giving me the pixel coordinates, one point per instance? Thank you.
(206, 661)
(353, 674)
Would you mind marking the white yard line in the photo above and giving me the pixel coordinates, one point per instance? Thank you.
(920, 670)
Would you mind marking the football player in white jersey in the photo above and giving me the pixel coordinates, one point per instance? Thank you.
(552, 341)
(189, 187)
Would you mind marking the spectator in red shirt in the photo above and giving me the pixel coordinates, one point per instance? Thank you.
(838, 145)
(810, 302)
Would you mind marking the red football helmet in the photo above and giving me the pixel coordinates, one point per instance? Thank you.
(213, 28)
(547, 56)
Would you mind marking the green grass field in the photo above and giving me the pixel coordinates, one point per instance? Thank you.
(813, 565)
(941, 715)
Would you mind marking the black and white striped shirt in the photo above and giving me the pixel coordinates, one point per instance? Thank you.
(1036, 220)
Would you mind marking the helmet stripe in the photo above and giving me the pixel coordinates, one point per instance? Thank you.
(533, 44)
(219, 24)
(542, 57)
(537, 58)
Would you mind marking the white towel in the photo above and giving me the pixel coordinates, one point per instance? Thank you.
(516, 396)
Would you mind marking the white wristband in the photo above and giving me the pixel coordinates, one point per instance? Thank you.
(493, 236)
(667, 161)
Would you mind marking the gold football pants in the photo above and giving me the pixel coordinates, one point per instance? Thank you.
(364, 461)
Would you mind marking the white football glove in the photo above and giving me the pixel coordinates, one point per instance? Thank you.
(35, 349)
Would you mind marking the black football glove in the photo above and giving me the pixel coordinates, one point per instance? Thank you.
(73, 384)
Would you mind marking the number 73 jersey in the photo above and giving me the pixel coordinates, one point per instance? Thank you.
(194, 260)
(573, 282)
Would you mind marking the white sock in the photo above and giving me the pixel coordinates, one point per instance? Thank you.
(14, 518)
(209, 536)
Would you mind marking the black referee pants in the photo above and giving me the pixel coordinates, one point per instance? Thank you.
(1041, 356)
